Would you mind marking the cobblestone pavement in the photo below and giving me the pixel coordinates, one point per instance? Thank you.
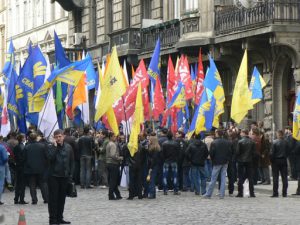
(92, 207)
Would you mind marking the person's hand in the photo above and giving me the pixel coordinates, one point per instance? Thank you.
(54, 143)
(121, 158)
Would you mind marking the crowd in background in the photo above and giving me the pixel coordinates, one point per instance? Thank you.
(163, 162)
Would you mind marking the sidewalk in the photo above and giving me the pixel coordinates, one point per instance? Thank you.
(268, 189)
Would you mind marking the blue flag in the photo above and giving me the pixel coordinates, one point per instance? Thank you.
(60, 55)
(10, 61)
(11, 96)
(90, 74)
(178, 99)
(256, 85)
(154, 66)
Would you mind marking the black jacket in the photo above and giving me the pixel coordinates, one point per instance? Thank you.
(72, 142)
(85, 145)
(197, 153)
(19, 156)
(138, 159)
(35, 158)
(280, 149)
(153, 159)
(220, 151)
(61, 161)
(246, 150)
(182, 161)
(170, 151)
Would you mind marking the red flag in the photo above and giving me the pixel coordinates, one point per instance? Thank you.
(159, 100)
(130, 95)
(185, 76)
(171, 79)
(199, 80)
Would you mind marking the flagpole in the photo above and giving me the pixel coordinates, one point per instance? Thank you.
(126, 127)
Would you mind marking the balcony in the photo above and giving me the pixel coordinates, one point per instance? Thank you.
(128, 40)
(168, 32)
(264, 14)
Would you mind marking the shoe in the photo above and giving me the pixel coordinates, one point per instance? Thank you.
(177, 193)
(239, 196)
(64, 222)
(90, 187)
(266, 183)
(274, 196)
(118, 198)
(23, 203)
(82, 187)
(112, 199)
(252, 196)
(230, 195)
(206, 197)
(165, 193)
(16, 202)
(197, 193)
(184, 190)
(1, 203)
(296, 194)
(45, 202)
(34, 203)
(284, 195)
(129, 198)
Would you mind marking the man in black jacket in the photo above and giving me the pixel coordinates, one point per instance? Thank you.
(60, 172)
(170, 153)
(197, 153)
(86, 145)
(278, 155)
(220, 154)
(35, 165)
(245, 154)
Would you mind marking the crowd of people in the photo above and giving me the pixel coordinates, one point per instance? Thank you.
(164, 161)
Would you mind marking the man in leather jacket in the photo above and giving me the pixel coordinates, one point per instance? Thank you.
(279, 154)
(61, 160)
(245, 154)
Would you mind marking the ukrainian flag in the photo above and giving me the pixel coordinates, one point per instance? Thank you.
(296, 119)
(257, 83)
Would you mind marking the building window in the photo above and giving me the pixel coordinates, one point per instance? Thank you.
(146, 6)
(191, 5)
(77, 20)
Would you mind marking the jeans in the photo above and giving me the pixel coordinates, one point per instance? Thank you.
(186, 184)
(166, 168)
(217, 170)
(57, 198)
(198, 179)
(85, 171)
(8, 174)
(113, 179)
(280, 165)
(2, 178)
(245, 170)
(208, 169)
(153, 175)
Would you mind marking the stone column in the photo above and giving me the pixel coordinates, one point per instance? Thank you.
(268, 103)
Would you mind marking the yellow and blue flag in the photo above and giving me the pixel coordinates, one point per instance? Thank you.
(296, 119)
(60, 55)
(241, 97)
(178, 99)
(257, 83)
(213, 82)
(154, 66)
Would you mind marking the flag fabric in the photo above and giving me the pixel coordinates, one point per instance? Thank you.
(113, 86)
(296, 119)
(137, 122)
(130, 95)
(90, 73)
(178, 100)
(47, 120)
(158, 101)
(213, 82)
(112, 121)
(70, 74)
(154, 66)
(12, 106)
(257, 83)
(125, 73)
(171, 79)
(58, 99)
(9, 61)
(60, 55)
(5, 122)
(185, 77)
(241, 98)
(199, 80)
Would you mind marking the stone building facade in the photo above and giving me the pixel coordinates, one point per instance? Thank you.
(270, 30)
(2, 32)
(34, 21)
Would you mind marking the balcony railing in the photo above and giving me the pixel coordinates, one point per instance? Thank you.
(263, 14)
(131, 37)
(168, 32)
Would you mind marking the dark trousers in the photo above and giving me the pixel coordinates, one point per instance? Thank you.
(280, 166)
(34, 181)
(20, 183)
(298, 189)
(231, 176)
(292, 160)
(135, 182)
(113, 179)
(76, 173)
(57, 198)
(245, 170)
